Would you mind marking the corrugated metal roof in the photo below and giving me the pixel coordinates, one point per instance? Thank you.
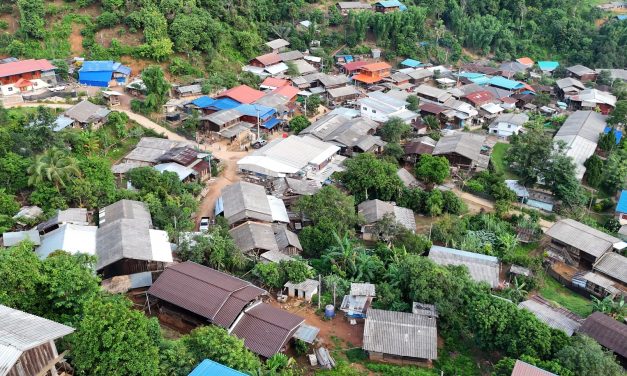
(307, 333)
(8, 356)
(613, 265)
(550, 316)
(210, 368)
(77, 216)
(525, 369)
(277, 43)
(86, 112)
(24, 331)
(608, 332)
(401, 334)
(464, 144)
(244, 200)
(582, 237)
(250, 236)
(12, 238)
(363, 289)
(374, 210)
(24, 66)
(308, 285)
(482, 268)
(266, 329)
(70, 238)
(217, 296)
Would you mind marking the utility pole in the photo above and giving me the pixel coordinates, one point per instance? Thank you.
(257, 108)
(333, 294)
(319, 288)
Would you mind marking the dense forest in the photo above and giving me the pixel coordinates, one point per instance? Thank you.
(196, 37)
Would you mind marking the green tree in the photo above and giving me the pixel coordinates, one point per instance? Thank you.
(292, 69)
(435, 203)
(432, 170)
(212, 342)
(269, 274)
(394, 130)
(296, 271)
(298, 123)
(584, 356)
(607, 141)
(432, 122)
(394, 150)
(313, 102)
(20, 278)
(54, 166)
(32, 18)
(370, 178)
(413, 103)
(112, 338)
(619, 114)
(12, 167)
(157, 87)
(528, 155)
(615, 171)
(594, 170)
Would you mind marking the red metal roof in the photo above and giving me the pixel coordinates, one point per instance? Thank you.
(217, 296)
(525, 369)
(275, 82)
(286, 91)
(480, 96)
(23, 83)
(265, 329)
(376, 66)
(431, 108)
(243, 94)
(354, 65)
(269, 59)
(24, 66)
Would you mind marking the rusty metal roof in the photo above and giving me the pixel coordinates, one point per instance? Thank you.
(610, 333)
(217, 296)
(265, 329)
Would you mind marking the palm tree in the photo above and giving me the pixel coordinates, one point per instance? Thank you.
(55, 166)
(517, 291)
(344, 254)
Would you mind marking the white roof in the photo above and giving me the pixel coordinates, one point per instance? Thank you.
(276, 68)
(313, 59)
(265, 166)
(277, 43)
(297, 152)
(12, 238)
(160, 245)
(277, 207)
(182, 171)
(492, 108)
(70, 238)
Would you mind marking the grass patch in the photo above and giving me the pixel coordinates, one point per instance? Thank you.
(553, 291)
(386, 369)
(356, 355)
(498, 160)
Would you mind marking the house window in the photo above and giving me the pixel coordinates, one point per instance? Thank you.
(10, 88)
(509, 125)
(374, 111)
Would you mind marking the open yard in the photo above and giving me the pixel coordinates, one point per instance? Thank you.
(568, 299)
(498, 160)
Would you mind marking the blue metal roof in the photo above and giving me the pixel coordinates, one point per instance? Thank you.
(203, 102)
(97, 66)
(505, 83)
(95, 78)
(548, 65)
(219, 206)
(271, 123)
(622, 17)
(621, 207)
(411, 63)
(471, 75)
(225, 104)
(477, 256)
(392, 4)
(256, 109)
(618, 134)
(210, 368)
(123, 69)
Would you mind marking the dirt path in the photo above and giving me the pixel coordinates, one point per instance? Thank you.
(475, 203)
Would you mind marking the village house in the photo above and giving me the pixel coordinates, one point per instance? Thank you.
(75, 216)
(614, 267)
(409, 181)
(85, 114)
(479, 98)
(580, 132)
(265, 60)
(555, 317)
(12, 238)
(294, 156)
(188, 163)
(432, 93)
(415, 148)
(29, 70)
(525, 369)
(304, 290)
(578, 244)
(354, 135)
(352, 6)
(27, 343)
(464, 150)
(68, 237)
(277, 45)
(615, 74)
(254, 238)
(547, 67)
(374, 211)
(242, 94)
(582, 73)
(234, 304)
(381, 107)
(400, 337)
(244, 201)
(482, 268)
(506, 84)
(568, 87)
(593, 99)
(372, 73)
(291, 56)
(608, 332)
(358, 300)
(510, 68)
(389, 6)
(103, 73)
(288, 242)
(271, 83)
(509, 124)
(126, 242)
(343, 94)
(183, 91)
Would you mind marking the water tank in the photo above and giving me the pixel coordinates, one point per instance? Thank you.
(329, 311)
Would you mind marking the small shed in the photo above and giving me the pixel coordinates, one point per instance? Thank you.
(208, 368)
(112, 97)
(303, 290)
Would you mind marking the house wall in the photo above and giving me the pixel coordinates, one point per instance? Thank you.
(458, 160)
(16, 77)
(402, 360)
(34, 360)
(129, 266)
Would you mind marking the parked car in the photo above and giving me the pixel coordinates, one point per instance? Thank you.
(259, 143)
(204, 224)
(57, 88)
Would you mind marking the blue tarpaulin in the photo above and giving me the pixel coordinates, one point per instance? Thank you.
(621, 207)
(210, 368)
(548, 66)
(203, 102)
(618, 134)
(271, 123)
